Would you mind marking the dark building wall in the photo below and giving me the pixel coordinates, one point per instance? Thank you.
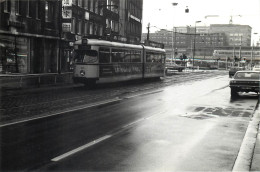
(27, 30)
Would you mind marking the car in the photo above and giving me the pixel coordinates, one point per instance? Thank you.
(245, 81)
(256, 68)
(234, 69)
(174, 66)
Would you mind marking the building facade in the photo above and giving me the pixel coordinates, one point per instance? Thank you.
(183, 41)
(29, 36)
(236, 34)
(37, 36)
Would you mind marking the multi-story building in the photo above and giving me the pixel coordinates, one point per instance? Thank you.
(29, 36)
(237, 35)
(36, 36)
(182, 41)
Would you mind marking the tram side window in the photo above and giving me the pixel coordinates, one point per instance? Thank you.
(118, 55)
(148, 57)
(127, 57)
(136, 56)
(104, 55)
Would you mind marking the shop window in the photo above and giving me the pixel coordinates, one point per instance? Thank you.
(14, 56)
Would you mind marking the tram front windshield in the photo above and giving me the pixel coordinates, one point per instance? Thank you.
(89, 56)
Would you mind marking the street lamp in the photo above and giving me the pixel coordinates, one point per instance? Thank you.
(173, 31)
(194, 44)
(252, 54)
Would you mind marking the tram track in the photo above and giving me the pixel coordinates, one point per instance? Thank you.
(55, 103)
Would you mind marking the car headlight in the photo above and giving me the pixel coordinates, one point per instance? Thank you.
(82, 73)
(232, 82)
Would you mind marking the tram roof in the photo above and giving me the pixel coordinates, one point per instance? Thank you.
(98, 42)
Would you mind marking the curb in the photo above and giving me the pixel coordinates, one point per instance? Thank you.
(246, 152)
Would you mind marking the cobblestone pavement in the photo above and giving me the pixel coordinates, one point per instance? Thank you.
(24, 104)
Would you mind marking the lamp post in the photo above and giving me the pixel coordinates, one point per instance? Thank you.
(194, 45)
(252, 54)
(173, 31)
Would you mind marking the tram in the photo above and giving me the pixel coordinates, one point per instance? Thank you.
(101, 61)
(249, 54)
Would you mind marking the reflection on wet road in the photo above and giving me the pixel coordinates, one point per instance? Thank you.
(189, 127)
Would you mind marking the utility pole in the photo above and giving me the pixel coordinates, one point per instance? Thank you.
(148, 32)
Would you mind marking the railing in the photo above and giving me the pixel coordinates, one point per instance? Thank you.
(34, 80)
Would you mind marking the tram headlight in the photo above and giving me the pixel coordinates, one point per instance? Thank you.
(82, 73)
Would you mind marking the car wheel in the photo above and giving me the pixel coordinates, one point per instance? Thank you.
(234, 92)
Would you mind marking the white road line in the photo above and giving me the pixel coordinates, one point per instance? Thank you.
(100, 139)
(62, 112)
(80, 148)
(152, 92)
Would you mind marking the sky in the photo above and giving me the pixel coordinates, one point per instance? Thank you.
(161, 14)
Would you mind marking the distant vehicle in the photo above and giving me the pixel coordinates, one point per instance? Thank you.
(174, 66)
(245, 81)
(100, 61)
(224, 54)
(234, 69)
(256, 68)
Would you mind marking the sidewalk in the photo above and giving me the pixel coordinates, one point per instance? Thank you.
(248, 158)
(255, 165)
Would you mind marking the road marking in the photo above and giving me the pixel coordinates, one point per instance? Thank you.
(102, 138)
(151, 92)
(58, 158)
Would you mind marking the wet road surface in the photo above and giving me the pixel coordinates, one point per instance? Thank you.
(186, 127)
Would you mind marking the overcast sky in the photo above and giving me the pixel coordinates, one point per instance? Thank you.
(162, 14)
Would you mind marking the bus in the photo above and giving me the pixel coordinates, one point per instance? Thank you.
(100, 61)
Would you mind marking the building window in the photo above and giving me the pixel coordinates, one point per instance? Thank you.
(100, 30)
(86, 25)
(91, 6)
(17, 7)
(86, 4)
(49, 11)
(73, 25)
(80, 3)
(95, 29)
(91, 28)
(79, 27)
(38, 11)
(29, 8)
(7, 6)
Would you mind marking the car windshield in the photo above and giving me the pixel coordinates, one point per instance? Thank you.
(247, 75)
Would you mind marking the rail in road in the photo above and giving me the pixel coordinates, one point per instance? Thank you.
(19, 106)
(120, 124)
